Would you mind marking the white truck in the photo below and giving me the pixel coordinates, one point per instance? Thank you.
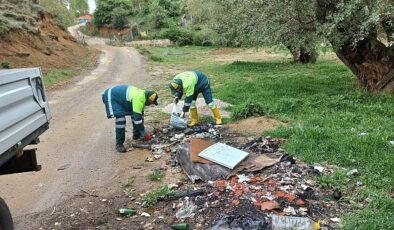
(24, 116)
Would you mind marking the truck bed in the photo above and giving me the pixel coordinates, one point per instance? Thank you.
(24, 110)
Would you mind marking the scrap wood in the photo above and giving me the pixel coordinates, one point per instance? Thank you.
(197, 146)
(255, 162)
(141, 146)
(196, 171)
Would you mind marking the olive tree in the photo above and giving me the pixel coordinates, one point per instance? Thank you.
(362, 33)
(261, 22)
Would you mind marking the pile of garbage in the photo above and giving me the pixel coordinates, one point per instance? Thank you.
(269, 189)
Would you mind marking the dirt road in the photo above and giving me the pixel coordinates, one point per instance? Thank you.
(80, 136)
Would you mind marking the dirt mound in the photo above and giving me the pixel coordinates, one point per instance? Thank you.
(34, 39)
(254, 125)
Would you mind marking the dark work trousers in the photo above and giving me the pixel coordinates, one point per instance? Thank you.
(120, 130)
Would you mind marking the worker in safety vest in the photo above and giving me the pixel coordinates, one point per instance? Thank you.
(123, 100)
(191, 83)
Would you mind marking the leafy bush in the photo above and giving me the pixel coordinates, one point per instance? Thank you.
(156, 58)
(183, 37)
(4, 28)
(248, 109)
(179, 36)
(5, 65)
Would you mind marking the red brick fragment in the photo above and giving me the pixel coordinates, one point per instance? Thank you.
(235, 202)
(288, 196)
(238, 192)
(220, 185)
(270, 182)
(300, 202)
(271, 188)
(269, 205)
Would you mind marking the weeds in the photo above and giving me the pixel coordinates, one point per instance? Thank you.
(156, 58)
(156, 175)
(150, 199)
(4, 27)
(128, 187)
(251, 108)
(55, 76)
(5, 65)
(101, 221)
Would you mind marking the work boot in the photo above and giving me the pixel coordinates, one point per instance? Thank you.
(218, 117)
(194, 117)
(120, 148)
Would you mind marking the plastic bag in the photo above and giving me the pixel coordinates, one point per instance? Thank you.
(187, 210)
(176, 121)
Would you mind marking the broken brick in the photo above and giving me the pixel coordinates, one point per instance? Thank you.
(288, 196)
(271, 182)
(235, 202)
(220, 185)
(300, 202)
(269, 205)
(238, 192)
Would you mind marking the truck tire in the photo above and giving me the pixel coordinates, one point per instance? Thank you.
(5, 217)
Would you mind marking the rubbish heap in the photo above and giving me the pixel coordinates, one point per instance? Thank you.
(269, 189)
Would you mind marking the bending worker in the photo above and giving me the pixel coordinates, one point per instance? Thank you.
(191, 83)
(123, 100)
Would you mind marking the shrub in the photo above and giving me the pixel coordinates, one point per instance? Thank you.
(6, 65)
(156, 58)
(4, 28)
(180, 36)
(248, 109)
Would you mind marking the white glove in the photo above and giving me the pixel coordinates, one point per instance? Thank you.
(182, 115)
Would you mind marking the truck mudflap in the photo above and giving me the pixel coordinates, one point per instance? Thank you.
(6, 222)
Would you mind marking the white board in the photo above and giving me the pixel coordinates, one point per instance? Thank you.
(224, 155)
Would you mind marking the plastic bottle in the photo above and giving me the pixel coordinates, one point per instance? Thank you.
(183, 226)
(127, 212)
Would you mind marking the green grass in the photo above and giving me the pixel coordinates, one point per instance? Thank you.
(150, 199)
(101, 221)
(156, 175)
(328, 115)
(56, 76)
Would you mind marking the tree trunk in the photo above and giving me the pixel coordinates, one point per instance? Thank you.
(372, 63)
(369, 59)
(308, 56)
(302, 55)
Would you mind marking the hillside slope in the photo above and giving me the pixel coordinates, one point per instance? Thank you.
(30, 37)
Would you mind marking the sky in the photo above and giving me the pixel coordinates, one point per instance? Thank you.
(92, 5)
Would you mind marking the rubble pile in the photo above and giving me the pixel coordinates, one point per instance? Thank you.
(284, 190)
(166, 140)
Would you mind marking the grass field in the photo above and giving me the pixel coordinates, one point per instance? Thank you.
(332, 121)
